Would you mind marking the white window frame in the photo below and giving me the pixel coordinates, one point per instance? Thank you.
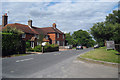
(57, 35)
(32, 44)
(63, 43)
(58, 42)
(63, 36)
(24, 35)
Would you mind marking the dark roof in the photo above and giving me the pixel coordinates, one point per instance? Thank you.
(24, 28)
(49, 30)
(34, 30)
(39, 30)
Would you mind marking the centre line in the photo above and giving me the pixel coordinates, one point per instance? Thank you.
(24, 60)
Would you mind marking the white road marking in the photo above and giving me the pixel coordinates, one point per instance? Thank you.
(24, 60)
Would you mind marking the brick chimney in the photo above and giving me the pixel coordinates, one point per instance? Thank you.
(4, 19)
(54, 25)
(30, 23)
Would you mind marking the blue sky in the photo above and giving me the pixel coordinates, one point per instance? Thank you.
(69, 16)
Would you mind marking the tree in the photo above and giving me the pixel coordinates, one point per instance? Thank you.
(107, 30)
(83, 38)
(9, 29)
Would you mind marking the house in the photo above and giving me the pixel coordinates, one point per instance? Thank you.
(32, 33)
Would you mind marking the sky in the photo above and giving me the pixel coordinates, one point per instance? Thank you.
(69, 15)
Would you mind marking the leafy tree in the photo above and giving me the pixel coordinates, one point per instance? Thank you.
(9, 29)
(113, 17)
(70, 39)
(107, 30)
(83, 38)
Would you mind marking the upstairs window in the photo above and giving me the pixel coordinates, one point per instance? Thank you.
(57, 35)
(23, 35)
(58, 42)
(63, 36)
(37, 36)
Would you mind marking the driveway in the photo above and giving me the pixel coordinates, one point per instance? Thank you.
(62, 64)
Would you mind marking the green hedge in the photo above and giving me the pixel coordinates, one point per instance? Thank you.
(12, 44)
(47, 48)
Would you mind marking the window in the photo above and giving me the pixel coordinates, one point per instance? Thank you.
(58, 42)
(32, 44)
(37, 36)
(46, 37)
(57, 35)
(38, 43)
(23, 35)
(63, 36)
(63, 43)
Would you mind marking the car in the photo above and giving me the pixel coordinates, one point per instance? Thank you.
(68, 47)
(79, 47)
(96, 46)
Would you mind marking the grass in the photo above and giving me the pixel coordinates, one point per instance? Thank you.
(102, 54)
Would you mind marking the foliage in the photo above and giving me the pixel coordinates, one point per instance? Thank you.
(11, 44)
(28, 44)
(40, 38)
(9, 29)
(38, 48)
(108, 30)
(47, 48)
(83, 38)
(70, 39)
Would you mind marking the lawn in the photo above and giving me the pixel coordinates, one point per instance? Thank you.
(102, 54)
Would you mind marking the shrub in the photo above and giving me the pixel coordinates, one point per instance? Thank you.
(38, 48)
(12, 44)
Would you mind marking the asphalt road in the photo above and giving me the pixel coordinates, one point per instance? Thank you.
(52, 65)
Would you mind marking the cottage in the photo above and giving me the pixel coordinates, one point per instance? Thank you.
(32, 33)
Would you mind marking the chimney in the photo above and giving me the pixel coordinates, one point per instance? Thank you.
(4, 19)
(30, 23)
(54, 25)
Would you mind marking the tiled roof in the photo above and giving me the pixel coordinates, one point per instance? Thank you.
(50, 30)
(24, 28)
(39, 30)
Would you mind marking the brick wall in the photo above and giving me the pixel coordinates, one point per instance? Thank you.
(53, 37)
(28, 37)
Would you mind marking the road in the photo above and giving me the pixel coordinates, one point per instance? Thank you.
(62, 64)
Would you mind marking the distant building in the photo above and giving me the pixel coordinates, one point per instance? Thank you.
(31, 33)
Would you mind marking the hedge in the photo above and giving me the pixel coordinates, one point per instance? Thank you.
(12, 44)
(47, 48)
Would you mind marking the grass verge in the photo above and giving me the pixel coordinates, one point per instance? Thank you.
(102, 54)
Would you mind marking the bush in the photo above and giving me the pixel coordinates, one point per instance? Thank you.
(38, 48)
(12, 44)
(51, 47)
(28, 44)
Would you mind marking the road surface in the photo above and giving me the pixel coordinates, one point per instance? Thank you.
(62, 64)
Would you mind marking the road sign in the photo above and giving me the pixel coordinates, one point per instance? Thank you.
(110, 44)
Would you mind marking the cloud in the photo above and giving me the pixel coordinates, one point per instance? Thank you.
(69, 16)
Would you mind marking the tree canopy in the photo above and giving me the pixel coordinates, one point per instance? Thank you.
(80, 37)
(107, 30)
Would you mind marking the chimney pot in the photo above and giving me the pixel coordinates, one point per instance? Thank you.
(54, 25)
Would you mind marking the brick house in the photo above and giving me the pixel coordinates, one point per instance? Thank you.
(32, 33)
